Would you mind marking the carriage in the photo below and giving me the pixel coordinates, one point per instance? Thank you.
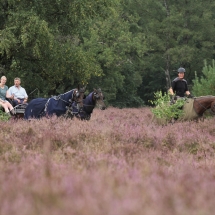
(19, 110)
(58, 105)
(69, 104)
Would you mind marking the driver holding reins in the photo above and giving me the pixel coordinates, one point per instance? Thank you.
(179, 85)
(17, 93)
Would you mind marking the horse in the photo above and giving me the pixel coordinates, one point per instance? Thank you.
(203, 103)
(193, 109)
(61, 105)
(93, 99)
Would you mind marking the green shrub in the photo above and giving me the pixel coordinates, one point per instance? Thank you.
(4, 116)
(163, 109)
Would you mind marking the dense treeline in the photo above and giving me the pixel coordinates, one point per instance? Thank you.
(129, 48)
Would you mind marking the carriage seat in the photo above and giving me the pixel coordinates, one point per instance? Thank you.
(20, 108)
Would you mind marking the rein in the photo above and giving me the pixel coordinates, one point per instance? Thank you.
(200, 104)
(70, 104)
(59, 98)
(89, 105)
(93, 101)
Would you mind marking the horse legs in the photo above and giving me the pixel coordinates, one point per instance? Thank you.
(173, 120)
(201, 119)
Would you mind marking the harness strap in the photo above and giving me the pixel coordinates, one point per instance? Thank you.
(203, 107)
(59, 98)
(46, 105)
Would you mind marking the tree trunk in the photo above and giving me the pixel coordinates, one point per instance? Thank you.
(168, 81)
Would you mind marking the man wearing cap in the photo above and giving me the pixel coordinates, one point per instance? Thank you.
(179, 85)
(17, 93)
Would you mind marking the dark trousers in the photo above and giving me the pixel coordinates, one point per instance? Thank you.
(15, 102)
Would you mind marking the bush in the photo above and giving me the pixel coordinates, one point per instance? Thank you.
(163, 109)
(4, 116)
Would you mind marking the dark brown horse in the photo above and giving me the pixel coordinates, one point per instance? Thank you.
(193, 109)
(203, 103)
(95, 98)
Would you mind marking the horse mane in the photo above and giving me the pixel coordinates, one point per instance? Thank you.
(88, 94)
(67, 92)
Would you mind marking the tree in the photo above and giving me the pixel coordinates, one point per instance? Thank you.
(41, 42)
(205, 85)
(116, 49)
(129, 48)
(177, 33)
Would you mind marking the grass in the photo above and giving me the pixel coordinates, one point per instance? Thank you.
(118, 163)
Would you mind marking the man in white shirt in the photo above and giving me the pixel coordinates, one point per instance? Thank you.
(17, 93)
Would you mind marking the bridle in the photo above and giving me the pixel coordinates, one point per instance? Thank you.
(75, 96)
(95, 97)
(200, 104)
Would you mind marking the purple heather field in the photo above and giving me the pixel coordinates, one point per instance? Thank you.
(118, 163)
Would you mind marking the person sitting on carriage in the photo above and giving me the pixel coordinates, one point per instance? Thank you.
(17, 93)
(179, 86)
(8, 108)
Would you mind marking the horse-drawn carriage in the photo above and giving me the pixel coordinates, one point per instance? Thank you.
(69, 104)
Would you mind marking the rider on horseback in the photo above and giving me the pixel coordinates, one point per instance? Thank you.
(179, 86)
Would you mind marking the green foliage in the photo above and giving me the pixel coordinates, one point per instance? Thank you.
(205, 85)
(127, 96)
(42, 43)
(129, 48)
(3, 116)
(163, 109)
(177, 33)
(116, 50)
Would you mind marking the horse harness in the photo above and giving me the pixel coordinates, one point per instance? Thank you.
(69, 111)
(200, 104)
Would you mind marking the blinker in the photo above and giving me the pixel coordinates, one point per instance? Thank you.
(96, 96)
(77, 95)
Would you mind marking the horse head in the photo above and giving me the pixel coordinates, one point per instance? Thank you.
(98, 97)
